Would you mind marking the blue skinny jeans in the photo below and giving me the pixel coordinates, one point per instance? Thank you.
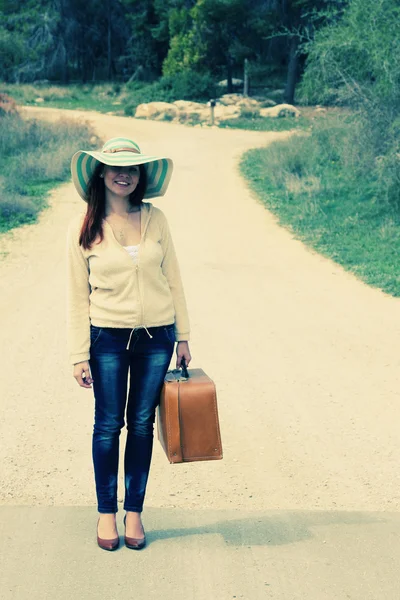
(146, 361)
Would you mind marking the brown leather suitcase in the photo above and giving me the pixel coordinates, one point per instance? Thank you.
(187, 417)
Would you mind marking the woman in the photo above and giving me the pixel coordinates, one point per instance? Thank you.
(126, 309)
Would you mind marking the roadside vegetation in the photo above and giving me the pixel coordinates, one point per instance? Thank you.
(265, 124)
(102, 98)
(34, 158)
(339, 188)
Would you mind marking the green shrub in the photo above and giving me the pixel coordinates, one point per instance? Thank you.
(153, 92)
(186, 85)
(12, 52)
(190, 85)
(355, 61)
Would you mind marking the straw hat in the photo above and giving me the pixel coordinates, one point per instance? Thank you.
(121, 152)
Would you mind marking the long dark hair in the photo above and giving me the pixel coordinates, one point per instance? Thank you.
(96, 199)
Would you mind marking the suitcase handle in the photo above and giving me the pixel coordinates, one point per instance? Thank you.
(185, 372)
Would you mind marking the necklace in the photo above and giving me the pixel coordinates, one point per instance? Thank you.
(120, 230)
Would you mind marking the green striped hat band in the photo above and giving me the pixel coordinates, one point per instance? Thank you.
(121, 152)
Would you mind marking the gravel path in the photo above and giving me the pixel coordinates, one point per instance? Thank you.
(305, 359)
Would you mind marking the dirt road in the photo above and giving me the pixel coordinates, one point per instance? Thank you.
(306, 361)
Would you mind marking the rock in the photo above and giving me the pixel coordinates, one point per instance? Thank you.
(320, 109)
(38, 100)
(189, 106)
(157, 111)
(235, 82)
(248, 102)
(239, 100)
(194, 116)
(267, 103)
(222, 113)
(280, 110)
(228, 99)
(194, 113)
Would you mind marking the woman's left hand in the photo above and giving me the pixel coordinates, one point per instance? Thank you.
(182, 351)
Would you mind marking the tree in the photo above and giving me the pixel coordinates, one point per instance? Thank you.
(215, 35)
(299, 21)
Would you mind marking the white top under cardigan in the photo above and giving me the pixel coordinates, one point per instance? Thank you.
(133, 251)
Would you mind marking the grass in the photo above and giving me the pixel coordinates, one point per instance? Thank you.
(266, 124)
(102, 98)
(34, 158)
(326, 190)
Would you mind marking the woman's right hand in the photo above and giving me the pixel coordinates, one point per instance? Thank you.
(82, 374)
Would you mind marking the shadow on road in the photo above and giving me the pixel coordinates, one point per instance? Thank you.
(273, 528)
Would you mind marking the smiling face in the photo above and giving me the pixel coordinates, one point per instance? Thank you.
(121, 181)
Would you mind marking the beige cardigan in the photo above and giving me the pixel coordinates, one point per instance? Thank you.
(106, 288)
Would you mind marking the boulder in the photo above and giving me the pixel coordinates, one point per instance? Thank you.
(228, 99)
(188, 105)
(194, 116)
(267, 103)
(184, 111)
(222, 113)
(280, 110)
(235, 82)
(239, 100)
(248, 102)
(157, 111)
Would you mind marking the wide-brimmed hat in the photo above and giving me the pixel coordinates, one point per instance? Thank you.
(121, 152)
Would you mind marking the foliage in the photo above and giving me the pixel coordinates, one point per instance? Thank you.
(11, 53)
(216, 35)
(356, 60)
(326, 189)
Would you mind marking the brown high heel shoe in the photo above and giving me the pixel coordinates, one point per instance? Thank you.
(134, 543)
(107, 544)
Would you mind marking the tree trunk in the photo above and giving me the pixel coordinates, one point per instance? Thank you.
(246, 78)
(64, 65)
(292, 70)
(64, 45)
(229, 75)
(109, 57)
